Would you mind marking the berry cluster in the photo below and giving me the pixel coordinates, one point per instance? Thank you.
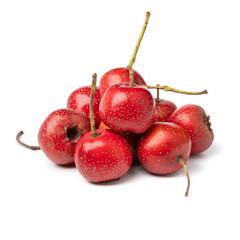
(105, 130)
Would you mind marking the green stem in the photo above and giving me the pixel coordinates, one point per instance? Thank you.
(170, 89)
(132, 60)
(92, 121)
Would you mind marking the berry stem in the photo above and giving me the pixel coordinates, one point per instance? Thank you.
(157, 99)
(170, 89)
(186, 171)
(132, 60)
(92, 121)
(25, 145)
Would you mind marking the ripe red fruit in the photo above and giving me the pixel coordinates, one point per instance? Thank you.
(196, 123)
(79, 100)
(163, 110)
(164, 149)
(161, 146)
(118, 75)
(59, 134)
(104, 157)
(101, 155)
(125, 108)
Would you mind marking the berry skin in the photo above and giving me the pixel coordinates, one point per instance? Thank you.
(195, 121)
(124, 108)
(59, 133)
(163, 110)
(102, 158)
(162, 146)
(79, 100)
(118, 75)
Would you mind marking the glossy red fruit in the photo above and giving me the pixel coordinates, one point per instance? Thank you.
(162, 146)
(118, 75)
(79, 100)
(124, 108)
(196, 123)
(104, 157)
(59, 134)
(163, 110)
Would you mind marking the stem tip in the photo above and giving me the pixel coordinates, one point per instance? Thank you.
(25, 145)
(186, 172)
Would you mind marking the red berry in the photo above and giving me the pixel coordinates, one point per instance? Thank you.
(164, 149)
(79, 100)
(163, 110)
(196, 123)
(104, 157)
(124, 108)
(118, 75)
(162, 146)
(59, 134)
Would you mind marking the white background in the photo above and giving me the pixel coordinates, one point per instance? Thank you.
(50, 48)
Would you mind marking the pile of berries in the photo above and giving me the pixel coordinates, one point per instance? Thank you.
(105, 130)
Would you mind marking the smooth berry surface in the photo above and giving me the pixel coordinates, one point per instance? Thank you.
(161, 146)
(118, 75)
(163, 110)
(102, 158)
(197, 124)
(79, 100)
(123, 108)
